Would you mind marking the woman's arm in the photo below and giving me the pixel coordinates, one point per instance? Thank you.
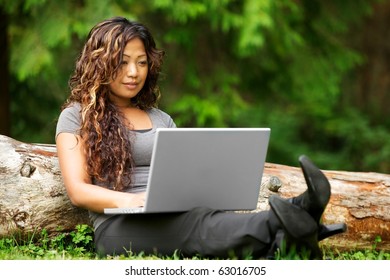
(81, 191)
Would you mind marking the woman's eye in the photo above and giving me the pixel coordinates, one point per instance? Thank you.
(143, 62)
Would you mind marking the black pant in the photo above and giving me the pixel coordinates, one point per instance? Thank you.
(201, 231)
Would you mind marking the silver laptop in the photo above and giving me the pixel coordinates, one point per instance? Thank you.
(218, 168)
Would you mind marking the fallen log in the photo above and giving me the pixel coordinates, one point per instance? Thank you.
(33, 197)
(32, 194)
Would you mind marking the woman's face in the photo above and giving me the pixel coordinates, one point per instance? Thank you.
(132, 74)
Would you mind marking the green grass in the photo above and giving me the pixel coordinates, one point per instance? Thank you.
(78, 245)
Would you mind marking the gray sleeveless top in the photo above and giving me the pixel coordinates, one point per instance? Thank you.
(70, 121)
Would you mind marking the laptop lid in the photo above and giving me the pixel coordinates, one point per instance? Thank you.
(218, 168)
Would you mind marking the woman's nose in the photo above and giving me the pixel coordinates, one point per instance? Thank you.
(131, 70)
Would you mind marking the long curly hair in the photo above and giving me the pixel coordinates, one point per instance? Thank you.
(103, 131)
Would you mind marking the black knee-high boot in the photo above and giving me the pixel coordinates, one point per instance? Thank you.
(317, 196)
(294, 229)
(300, 217)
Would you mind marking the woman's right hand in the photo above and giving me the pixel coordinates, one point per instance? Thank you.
(134, 200)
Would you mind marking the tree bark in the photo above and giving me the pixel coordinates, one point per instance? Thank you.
(32, 194)
(33, 197)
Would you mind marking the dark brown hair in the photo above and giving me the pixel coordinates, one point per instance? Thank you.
(103, 131)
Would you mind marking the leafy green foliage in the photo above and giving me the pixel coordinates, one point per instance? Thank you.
(284, 64)
(78, 244)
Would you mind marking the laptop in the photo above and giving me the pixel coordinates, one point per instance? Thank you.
(218, 168)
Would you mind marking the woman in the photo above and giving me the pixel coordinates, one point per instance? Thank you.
(104, 139)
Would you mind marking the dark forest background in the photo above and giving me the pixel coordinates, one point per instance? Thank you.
(317, 72)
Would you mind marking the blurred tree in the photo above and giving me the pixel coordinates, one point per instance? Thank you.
(5, 118)
(272, 63)
(44, 39)
(285, 64)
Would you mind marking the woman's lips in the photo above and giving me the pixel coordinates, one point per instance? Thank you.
(130, 85)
